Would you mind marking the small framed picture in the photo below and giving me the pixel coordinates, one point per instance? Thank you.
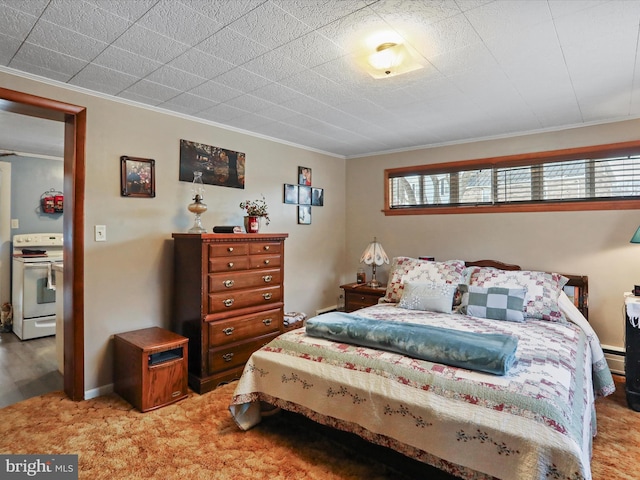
(137, 177)
(304, 176)
(290, 193)
(317, 197)
(304, 195)
(304, 214)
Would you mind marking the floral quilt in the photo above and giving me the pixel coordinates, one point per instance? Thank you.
(536, 422)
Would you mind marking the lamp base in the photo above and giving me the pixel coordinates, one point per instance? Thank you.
(374, 283)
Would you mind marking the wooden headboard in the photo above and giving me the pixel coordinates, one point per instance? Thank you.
(580, 283)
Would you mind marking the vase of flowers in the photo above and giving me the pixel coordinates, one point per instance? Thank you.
(255, 211)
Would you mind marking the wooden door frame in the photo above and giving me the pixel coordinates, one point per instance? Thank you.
(75, 119)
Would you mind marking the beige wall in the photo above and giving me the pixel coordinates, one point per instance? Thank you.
(128, 277)
(587, 243)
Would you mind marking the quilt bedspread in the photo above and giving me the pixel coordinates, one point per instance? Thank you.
(536, 422)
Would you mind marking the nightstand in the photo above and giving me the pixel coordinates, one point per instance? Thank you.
(360, 295)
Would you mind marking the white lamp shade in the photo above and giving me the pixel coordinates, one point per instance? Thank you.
(374, 254)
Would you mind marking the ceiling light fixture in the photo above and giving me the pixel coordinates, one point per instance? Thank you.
(391, 59)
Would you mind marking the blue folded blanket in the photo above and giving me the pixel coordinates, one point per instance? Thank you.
(485, 352)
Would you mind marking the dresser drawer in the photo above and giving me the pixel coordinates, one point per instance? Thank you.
(265, 247)
(241, 328)
(233, 300)
(236, 354)
(222, 282)
(265, 261)
(227, 250)
(229, 264)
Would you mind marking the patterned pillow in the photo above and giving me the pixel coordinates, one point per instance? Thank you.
(406, 269)
(497, 303)
(543, 289)
(432, 297)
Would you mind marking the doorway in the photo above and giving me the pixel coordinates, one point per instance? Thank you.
(74, 118)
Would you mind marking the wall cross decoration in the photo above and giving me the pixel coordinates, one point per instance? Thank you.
(304, 195)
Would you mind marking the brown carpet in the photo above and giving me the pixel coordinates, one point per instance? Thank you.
(197, 439)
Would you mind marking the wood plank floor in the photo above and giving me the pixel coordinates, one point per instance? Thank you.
(27, 368)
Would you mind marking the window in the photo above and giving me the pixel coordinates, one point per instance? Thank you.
(593, 178)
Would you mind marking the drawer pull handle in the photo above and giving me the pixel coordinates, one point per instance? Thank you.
(230, 264)
(267, 278)
(228, 283)
(267, 262)
(267, 321)
(230, 249)
(177, 393)
(227, 357)
(266, 247)
(266, 296)
(228, 331)
(228, 302)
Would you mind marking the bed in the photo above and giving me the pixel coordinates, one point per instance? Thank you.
(531, 418)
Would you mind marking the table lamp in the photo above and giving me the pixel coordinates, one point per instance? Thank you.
(374, 255)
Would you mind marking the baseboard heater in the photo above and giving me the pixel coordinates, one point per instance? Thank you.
(615, 358)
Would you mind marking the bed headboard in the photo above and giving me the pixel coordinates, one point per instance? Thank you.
(577, 288)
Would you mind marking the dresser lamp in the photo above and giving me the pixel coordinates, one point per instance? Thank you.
(374, 255)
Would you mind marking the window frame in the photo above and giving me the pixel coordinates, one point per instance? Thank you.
(525, 159)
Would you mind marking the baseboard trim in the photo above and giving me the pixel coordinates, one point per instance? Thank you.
(98, 392)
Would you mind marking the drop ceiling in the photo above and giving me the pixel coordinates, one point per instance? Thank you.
(290, 70)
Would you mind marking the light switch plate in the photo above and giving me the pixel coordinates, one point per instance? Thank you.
(101, 233)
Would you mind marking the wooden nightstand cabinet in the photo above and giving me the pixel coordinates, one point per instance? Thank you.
(150, 367)
(360, 295)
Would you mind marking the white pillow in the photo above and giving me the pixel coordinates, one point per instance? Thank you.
(428, 296)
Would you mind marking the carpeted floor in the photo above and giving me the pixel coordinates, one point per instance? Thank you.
(197, 439)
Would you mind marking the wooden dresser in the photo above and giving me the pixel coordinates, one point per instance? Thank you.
(228, 300)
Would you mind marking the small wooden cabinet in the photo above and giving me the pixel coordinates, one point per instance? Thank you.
(360, 295)
(229, 300)
(150, 367)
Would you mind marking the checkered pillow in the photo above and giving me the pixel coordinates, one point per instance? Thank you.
(542, 288)
(497, 303)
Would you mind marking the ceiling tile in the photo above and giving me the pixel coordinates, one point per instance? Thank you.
(155, 91)
(223, 11)
(273, 66)
(127, 62)
(269, 25)
(85, 18)
(150, 44)
(127, 9)
(215, 91)
(14, 23)
(224, 44)
(58, 39)
(101, 79)
(8, 47)
(179, 22)
(48, 60)
(33, 7)
(187, 103)
(241, 79)
(201, 64)
(174, 78)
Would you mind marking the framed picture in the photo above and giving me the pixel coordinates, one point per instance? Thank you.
(219, 166)
(137, 177)
(290, 193)
(317, 197)
(304, 214)
(304, 195)
(304, 176)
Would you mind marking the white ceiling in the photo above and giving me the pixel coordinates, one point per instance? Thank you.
(288, 69)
